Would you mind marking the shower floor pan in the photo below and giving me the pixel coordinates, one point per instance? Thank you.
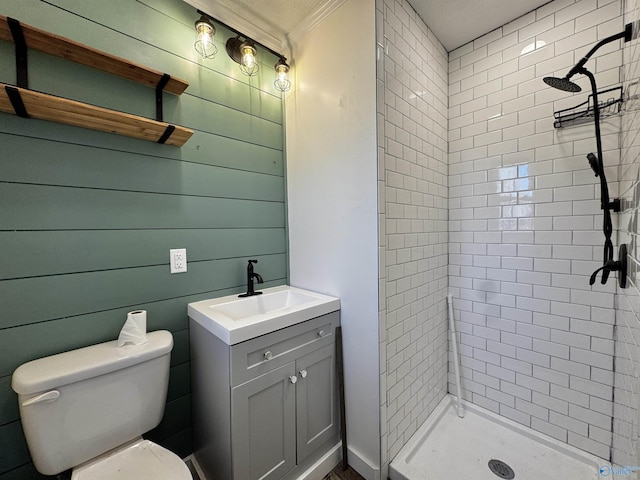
(447, 446)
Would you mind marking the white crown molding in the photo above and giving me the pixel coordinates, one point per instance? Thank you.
(260, 33)
(308, 24)
(251, 29)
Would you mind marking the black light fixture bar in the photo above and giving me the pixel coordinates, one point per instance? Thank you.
(240, 34)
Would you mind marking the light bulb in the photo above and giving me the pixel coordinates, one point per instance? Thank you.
(248, 63)
(282, 81)
(204, 44)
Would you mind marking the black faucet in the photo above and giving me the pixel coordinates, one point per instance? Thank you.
(250, 276)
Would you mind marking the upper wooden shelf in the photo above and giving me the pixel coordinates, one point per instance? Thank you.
(69, 50)
(28, 103)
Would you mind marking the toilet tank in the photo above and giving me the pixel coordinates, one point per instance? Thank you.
(77, 405)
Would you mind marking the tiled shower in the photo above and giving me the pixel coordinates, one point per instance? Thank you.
(538, 344)
(526, 228)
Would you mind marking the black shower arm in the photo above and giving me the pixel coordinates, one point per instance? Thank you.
(628, 34)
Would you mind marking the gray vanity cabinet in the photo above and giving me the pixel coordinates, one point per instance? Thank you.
(264, 409)
(263, 425)
(316, 400)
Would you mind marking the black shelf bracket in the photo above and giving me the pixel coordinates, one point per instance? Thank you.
(16, 101)
(159, 88)
(167, 133)
(22, 71)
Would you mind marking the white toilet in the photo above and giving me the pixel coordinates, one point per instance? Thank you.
(86, 409)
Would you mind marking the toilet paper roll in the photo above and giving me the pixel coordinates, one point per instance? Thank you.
(135, 329)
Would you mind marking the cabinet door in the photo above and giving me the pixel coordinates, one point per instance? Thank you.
(263, 426)
(316, 400)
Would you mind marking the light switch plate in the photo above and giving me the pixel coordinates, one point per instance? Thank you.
(178, 260)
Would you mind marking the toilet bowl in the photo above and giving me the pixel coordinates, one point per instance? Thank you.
(87, 410)
(139, 459)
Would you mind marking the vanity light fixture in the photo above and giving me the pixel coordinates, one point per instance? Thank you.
(204, 44)
(241, 49)
(282, 81)
(244, 53)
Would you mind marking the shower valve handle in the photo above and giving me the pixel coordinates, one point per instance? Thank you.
(608, 267)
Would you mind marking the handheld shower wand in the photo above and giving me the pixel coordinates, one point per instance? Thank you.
(607, 258)
(631, 32)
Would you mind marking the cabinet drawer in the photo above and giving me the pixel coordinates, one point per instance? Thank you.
(260, 355)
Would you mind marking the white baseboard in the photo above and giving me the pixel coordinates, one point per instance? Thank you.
(362, 466)
(196, 466)
(324, 465)
(317, 471)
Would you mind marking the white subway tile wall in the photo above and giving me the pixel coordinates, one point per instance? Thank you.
(525, 228)
(627, 329)
(412, 158)
(537, 343)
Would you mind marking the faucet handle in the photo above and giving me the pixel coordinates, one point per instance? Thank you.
(253, 261)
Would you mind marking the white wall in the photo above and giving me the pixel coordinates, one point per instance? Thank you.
(332, 200)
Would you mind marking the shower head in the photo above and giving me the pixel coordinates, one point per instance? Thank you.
(562, 84)
(631, 32)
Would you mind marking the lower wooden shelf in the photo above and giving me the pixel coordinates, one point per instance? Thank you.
(70, 112)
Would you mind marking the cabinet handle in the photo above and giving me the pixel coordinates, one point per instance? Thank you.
(268, 355)
(303, 373)
(321, 333)
(293, 379)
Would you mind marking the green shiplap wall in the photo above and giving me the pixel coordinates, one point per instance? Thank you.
(87, 218)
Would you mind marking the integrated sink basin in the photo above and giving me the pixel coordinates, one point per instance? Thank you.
(234, 320)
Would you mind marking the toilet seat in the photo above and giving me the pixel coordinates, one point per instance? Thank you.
(137, 460)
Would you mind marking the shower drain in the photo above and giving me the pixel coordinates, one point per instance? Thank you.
(501, 469)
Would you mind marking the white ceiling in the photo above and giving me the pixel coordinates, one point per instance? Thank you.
(454, 22)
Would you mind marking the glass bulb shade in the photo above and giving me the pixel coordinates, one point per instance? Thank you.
(204, 44)
(282, 81)
(248, 62)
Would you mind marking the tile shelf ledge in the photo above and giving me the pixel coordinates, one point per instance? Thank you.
(28, 103)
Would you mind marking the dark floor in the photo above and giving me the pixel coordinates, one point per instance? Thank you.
(336, 474)
(339, 474)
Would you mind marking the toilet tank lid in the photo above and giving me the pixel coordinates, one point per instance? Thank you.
(76, 365)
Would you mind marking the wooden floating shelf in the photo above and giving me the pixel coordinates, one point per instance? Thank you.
(24, 102)
(76, 52)
(70, 112)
